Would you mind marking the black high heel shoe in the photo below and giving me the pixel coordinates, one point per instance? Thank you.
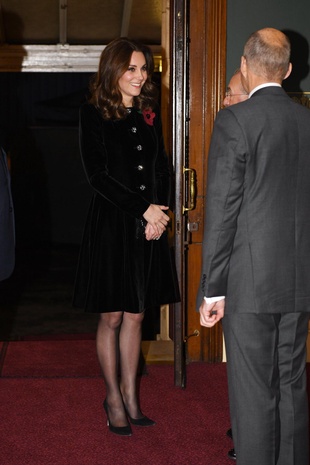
(120, 430)
(143, 421)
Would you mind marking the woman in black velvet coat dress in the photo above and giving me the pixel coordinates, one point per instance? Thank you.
(125, 263)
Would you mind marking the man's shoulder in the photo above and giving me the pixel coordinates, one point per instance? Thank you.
(302, 106)
(234, 112)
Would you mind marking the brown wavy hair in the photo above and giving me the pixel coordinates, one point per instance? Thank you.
(114, 62)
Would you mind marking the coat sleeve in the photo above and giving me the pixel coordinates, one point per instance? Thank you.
(225, 185)
(95, 162)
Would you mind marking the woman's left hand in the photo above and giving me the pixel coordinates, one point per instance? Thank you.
(151, 233)
(158, 219)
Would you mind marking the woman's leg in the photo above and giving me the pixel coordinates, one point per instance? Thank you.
(130, 347)
(107, 342)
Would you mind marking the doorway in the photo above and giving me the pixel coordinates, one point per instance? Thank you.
(198, 74)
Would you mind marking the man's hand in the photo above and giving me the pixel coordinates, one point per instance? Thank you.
(212, 313)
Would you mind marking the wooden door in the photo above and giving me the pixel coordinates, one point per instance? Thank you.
(207, 57)
(198, 58)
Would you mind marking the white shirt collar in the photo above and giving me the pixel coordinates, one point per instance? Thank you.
(261, 86)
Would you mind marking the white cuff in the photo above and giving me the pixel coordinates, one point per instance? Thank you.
(210, 300)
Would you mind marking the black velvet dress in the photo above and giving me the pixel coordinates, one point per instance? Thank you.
(127, 167)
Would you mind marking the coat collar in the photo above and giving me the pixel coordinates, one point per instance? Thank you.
(269, 90)
(261, 86)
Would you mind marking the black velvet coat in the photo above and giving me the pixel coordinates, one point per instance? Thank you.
(127, 167)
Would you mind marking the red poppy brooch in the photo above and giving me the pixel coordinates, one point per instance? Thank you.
(149, 116)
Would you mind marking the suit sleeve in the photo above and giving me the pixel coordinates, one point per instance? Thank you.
(225, 185)
(95, 162)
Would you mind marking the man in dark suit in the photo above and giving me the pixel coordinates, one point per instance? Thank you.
(7, 233)
(235, 93)
(256, 249)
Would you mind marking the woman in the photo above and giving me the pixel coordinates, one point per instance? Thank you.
(125, 264)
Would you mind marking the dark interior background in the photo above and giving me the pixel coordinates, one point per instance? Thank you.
(39, 130)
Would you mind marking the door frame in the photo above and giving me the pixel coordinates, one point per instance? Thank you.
(178, 86)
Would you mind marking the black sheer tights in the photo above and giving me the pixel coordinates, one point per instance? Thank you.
(118, 348)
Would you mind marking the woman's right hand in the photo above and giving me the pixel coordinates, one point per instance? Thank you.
(156, 217)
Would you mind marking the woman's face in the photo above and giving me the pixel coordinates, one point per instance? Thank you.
(131, 82)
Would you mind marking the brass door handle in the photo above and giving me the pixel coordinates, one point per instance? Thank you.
(192, 189)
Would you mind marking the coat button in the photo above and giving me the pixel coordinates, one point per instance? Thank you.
(142, 187)
(134, 129)
(139, 147)
(140, 167)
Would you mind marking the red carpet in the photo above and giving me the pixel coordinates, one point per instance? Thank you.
(51, 411)
(50, 359)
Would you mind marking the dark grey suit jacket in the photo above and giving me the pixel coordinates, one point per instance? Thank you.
(256, 248)
(7, 232)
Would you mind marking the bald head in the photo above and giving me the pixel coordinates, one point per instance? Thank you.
(267, 54)
(273, 36)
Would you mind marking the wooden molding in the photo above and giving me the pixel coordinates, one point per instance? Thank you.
(56, 58)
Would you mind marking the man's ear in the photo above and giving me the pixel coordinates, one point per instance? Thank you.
(243, 67)
(244, 73)
(288, 71)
